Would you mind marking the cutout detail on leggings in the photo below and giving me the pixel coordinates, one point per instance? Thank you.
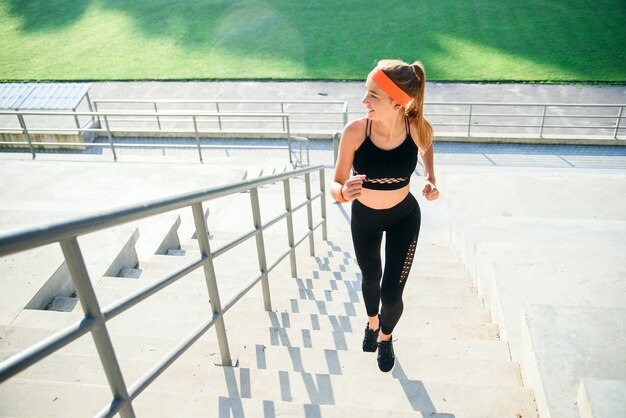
(408, 261)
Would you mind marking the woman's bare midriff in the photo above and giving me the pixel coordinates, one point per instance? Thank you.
(383, 199)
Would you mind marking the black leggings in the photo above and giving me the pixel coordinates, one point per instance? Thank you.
(402, 225)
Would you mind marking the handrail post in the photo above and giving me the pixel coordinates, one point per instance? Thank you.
(336, 137)
(211, 282)
(290, 235)
(156, 111)
(469, 121)
(106, 123)
(288, 138)
(76, 120)
(309, 213)
(20, 117)
(619, 119)
(219, 118)
(89, 302)
(95, 108)
(543, 119)
(195, 130)
(282, 110)
(260, 247)
(93, 120)
(323, 203)
(308, 152)
(345, 113)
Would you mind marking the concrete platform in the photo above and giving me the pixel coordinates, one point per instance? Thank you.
(598, 284)
(601, 398)
(562, 345)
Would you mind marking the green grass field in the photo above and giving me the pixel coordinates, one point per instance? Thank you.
(466, 40)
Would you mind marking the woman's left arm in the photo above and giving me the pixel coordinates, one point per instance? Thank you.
(430, 190)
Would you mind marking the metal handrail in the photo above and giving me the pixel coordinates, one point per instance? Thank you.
(604, 121)
(470, 118)
(171, 101)
(343, 113)
(95, 321)
(107, 116)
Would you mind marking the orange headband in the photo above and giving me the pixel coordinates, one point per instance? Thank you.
(384, 82)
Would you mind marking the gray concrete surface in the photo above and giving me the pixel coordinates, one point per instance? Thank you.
(352, 92)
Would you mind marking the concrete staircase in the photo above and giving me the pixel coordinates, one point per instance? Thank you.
(547, 259)
(301, 359)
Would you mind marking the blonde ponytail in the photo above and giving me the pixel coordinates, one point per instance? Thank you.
(411, 78)
(415, 110)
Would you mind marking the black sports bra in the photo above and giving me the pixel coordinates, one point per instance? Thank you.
(385, 169)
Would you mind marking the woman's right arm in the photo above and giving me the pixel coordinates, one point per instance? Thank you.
(345, 187)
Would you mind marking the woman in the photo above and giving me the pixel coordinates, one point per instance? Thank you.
(382, 148)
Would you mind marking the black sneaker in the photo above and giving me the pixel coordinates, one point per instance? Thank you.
(386, 357)
(370, 339)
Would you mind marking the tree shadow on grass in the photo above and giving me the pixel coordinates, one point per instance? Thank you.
(43, 15)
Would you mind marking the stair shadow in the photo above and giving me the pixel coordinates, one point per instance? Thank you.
(228, 408)
(318, 386)
(233, 402)
(295, 355)
(416, 392)
(352, 286)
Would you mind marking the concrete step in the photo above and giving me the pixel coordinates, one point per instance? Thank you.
(306, 279)
(349, 291)
(126, 346)
(68, 366)
(420, 268)
(412, 309)
(110, 290)
(563, 344)
(155, 403)
(394, 390)
(26, 398)
(346, 324)
(196, 304)
(250, 321)
(33, 278)
(601, 398)
(163, 262)
(154, 348)
(59, 400)
(315, 288)
(343, 249)
(415, 365)
(445, 347)
(189, 284)
(429, 291)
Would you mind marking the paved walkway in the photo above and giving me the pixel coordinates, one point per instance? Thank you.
(446, 153)
(352, 91)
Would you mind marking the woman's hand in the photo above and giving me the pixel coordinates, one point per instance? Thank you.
(430, 190)
(351, 189)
